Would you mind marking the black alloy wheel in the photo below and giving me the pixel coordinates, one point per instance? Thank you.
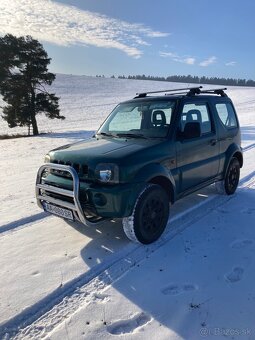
(151, 214)
(232, 176)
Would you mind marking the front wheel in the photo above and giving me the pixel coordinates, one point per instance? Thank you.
(230, 183)
(149, 217)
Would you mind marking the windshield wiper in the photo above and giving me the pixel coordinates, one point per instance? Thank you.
(130, 135)
(106, 134)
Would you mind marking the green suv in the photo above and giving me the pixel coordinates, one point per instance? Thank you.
(151, 151)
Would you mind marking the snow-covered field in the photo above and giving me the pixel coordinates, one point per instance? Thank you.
(66, 281)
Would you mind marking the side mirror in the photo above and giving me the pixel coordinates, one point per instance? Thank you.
(192, 130)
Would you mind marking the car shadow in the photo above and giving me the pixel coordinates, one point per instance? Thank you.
(106, 239)
(187, 307)
(110, 237)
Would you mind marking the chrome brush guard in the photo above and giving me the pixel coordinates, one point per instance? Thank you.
(75, 207)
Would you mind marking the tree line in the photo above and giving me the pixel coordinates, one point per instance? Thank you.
(194, 79)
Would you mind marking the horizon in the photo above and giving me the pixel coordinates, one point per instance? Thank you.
(164, 79)
(158, 39)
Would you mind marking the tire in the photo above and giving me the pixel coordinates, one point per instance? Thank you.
(150, 215)
(230, 183)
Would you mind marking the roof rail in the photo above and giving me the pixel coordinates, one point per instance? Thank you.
(216, 91)
(189, 90)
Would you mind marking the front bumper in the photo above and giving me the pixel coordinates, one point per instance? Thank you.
(82, 198)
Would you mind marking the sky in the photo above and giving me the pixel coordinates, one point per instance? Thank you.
(129, 37)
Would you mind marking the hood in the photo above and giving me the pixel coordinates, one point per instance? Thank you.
(102, 150)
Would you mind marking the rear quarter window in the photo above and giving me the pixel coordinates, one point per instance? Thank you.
(227, 115)
(197, 113)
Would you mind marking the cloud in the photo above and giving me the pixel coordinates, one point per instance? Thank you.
(231, 63)
(189, 61)
(67, 25)
(152, 34)
(185, 59)
(167, 54)
(208, 61)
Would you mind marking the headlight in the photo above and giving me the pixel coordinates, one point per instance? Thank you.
(47, 159)
(107, 173)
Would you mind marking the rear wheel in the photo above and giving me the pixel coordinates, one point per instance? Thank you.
(230, 183)
(149, 217)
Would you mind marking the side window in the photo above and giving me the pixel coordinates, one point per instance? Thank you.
(226, 114)
(196, 113)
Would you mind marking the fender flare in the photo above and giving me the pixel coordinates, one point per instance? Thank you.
(153, 173)
(233, 150)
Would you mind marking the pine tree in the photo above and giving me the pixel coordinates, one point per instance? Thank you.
(23, 77)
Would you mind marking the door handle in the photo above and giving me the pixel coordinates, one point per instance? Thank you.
(213, 142)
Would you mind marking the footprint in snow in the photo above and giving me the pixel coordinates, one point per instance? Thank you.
(238, 244)
(100, 298)
(178, 289)
(130, 325)
(235, 275)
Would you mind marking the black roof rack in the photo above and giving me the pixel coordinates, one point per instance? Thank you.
(191, 90)
(188, 91)
(216, 91)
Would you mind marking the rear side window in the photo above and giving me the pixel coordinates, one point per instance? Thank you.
(196, 113)
(227, 115)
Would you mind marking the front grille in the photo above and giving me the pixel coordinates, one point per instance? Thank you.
(58, 196)
(81, 169)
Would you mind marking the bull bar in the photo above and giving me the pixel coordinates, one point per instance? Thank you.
(75, 207)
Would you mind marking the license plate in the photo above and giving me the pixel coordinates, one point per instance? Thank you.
(65, 213)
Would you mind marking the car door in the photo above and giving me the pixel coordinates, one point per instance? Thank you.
(197, 158)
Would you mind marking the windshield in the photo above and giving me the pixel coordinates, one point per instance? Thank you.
(146, 119)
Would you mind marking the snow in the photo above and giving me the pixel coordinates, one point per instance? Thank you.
(62, 280)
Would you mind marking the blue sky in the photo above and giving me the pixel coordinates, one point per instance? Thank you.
(163, 37)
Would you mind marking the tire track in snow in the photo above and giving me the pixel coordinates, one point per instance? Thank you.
(39, 320)
(28, 221)
(249, 147)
